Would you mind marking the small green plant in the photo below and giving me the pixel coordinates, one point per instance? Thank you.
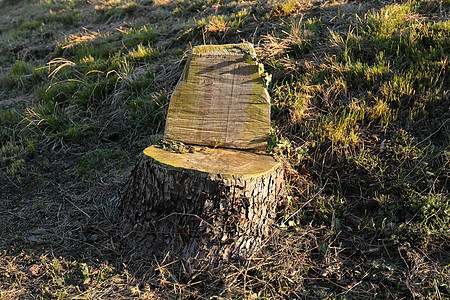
(285, 8)
(432, 211)
(214, 24)
(114, 9)
(56, 124)
(220, 25)
(30, 24)
(188, 6)
(142, 53)
(94, 161)
(139, 35)
(8, 117)
(20, 74)
(13, 154)
(148, 112)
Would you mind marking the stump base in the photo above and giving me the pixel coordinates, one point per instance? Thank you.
(204, 204)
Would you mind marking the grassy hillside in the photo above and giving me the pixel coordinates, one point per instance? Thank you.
(361, 115)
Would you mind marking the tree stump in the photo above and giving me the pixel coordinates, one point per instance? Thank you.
(188, 194)
(207, 204)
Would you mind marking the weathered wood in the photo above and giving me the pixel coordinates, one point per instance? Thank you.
(226, 163)
(180, 204)
(221, 100)
(208, 204)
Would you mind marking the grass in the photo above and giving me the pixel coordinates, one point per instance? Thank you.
(12, 156)
(360, 109)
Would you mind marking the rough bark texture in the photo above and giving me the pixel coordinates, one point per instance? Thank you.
(203, 217)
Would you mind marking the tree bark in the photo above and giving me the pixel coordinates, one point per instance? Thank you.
(206, 205)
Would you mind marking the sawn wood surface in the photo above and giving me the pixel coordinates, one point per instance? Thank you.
(221, 100)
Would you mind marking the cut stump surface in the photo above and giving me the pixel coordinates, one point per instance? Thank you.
(226, 163)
